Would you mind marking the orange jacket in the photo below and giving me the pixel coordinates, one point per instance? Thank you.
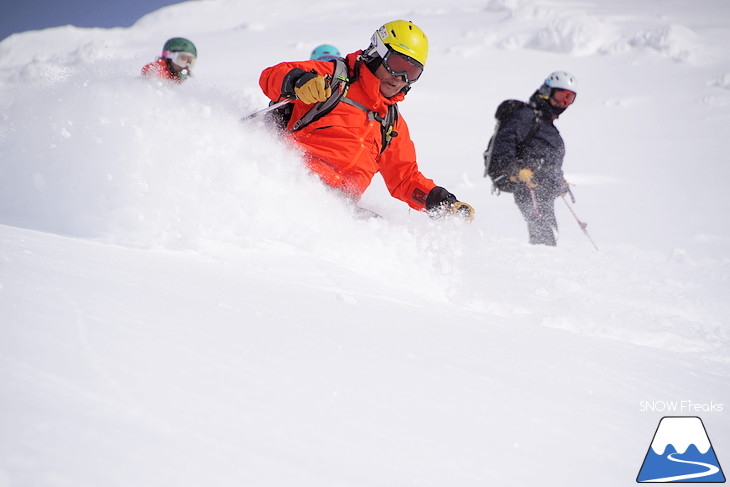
(343, 147)
(160, 69)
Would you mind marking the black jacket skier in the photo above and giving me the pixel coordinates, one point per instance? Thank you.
(527, 156)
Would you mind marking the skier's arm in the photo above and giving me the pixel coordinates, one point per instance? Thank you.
(281, 80)
(155, 70)
(400, 171)
(405, 181)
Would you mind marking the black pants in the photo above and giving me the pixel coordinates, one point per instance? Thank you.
(538, 209)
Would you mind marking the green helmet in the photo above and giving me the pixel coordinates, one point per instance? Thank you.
(180, 44)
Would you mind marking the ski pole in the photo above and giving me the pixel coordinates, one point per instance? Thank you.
(327, 81)
(258, 113)
(534, 201)
(581, 224)
(572, 197)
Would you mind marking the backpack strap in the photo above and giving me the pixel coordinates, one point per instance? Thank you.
(340, 83)
(533, 129)
(498, 179)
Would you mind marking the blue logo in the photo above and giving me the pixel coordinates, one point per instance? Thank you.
(681, 452)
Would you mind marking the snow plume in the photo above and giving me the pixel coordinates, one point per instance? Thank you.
(147, 164)
(120, 156)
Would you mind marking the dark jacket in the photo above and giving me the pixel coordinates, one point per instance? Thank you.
(543, 152)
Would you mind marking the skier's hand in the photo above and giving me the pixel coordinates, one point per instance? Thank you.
(527, 176)
(564, 188)
(463, 210)
(312, 88)
(441, 203)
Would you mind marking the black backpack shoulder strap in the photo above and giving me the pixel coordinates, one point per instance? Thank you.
(505, 111)
(523, 144)
(533, 128)
(340, 83)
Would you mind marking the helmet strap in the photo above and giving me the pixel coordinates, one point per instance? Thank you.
(356, 69)
(371, 58)
(373, 63)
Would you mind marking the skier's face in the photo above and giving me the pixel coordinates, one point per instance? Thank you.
(181, 59)
(389, 85)
(562, 98)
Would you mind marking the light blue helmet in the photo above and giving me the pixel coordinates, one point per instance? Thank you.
(325, 52)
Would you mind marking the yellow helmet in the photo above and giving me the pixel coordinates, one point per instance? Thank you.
(401, 36)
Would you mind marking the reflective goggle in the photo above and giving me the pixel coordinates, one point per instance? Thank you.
(563, 98)
(181, 58)
(399, 64)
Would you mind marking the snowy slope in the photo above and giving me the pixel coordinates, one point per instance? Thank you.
(182, 304)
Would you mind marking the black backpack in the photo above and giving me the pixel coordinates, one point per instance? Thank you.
(505, 111)
(340, 83)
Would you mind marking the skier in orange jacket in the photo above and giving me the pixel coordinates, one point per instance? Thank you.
(176, 62)
(351, 143)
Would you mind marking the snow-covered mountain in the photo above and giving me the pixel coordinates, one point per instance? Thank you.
(182, 304)
(680, 432)
(681, 451)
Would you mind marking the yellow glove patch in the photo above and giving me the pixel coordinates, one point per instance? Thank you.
(464, 210)
(525, 175)
(313, 91)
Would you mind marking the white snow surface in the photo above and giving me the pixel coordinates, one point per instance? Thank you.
(181, 304)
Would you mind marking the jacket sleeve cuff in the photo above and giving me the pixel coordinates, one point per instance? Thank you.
(437, 197)
(287, 86)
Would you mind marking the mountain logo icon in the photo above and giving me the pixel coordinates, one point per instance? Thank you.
(680, 452)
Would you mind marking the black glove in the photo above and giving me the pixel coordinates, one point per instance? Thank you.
(438, 197)
(440, 203)
(287, 86)
(307, 86)
(564, 188)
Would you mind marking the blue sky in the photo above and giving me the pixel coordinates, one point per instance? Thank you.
(22, 15)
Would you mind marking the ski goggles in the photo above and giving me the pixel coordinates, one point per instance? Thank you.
(563, 98)
(180, 58)
(399, 64)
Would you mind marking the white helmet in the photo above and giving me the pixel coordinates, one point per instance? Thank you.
(561, 80)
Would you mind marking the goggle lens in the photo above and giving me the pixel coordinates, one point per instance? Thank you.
(399, 64)
(563, 97)
(181, 58)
